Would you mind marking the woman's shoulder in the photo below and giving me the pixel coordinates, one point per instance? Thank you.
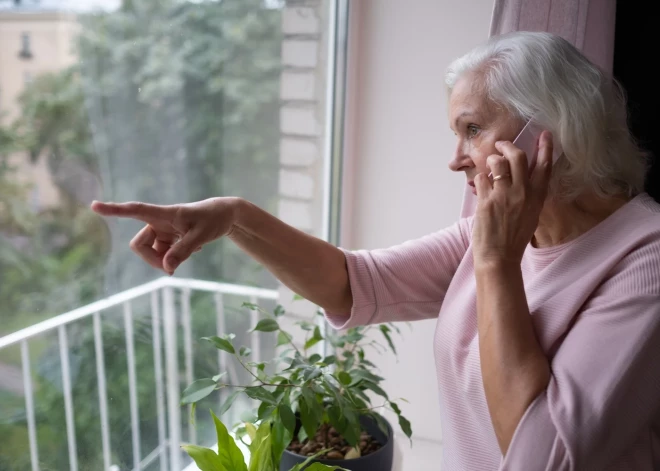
(633, 241)
(640, 220)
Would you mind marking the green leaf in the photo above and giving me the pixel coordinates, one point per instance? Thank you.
(312, 373)
(297, 297)
(228, 402)
(386, 333)
(250, 306)
(287, 417)
(334, 414)
(279, 311)
(395, 327)
(316, 338)
(330, 360)
(297, 362)
(395, 408)
(251, 430)
(281, 439)
(260, 394)
(216, 378)
(367, 362)
(375, 388)
(362, 374)
(205, 458)
(344, 378)
(308, 420)
(266, 325)
(283, 338)
(306, 326)
(192, 413)
(265, 410)
(248, 416)
(382, 425)
(261, 452)
(405, 426)
(302, 435)
(348, 364)
(244, 351)
(362, 396)
(198, 391)
(230, 455)
(310, 343)
(351, 434)
(221, 344)
(314, 358)
(302, 465)
(323, 467)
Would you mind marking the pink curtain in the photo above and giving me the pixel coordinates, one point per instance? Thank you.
(587, 24)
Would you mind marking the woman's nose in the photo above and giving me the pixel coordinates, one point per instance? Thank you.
(460, 160)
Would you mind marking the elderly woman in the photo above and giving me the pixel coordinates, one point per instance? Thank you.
(547, 343)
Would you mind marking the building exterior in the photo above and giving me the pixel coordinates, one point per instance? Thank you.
(33, 41)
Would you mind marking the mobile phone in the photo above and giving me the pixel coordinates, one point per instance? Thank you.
(528, 139)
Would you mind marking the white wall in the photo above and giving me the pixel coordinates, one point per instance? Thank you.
(398, 146)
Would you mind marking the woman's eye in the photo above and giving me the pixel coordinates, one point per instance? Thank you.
(472, 131)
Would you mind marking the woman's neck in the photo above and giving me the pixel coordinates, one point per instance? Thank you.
(561, 222)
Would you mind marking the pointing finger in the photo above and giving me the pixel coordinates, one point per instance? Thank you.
(135, 210)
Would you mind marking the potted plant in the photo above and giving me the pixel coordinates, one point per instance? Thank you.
(312, 408)
(229, 457)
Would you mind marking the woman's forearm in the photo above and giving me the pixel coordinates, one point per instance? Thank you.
(309, 266)
(514, 368)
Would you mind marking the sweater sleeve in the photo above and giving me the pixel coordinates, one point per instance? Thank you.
(604, 385)
(406, 282)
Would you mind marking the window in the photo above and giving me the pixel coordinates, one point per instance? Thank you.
(204, 99)
(26, 48)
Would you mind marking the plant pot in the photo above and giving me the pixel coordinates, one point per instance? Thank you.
(380, 460)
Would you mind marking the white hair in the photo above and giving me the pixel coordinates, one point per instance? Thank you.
(543, 75)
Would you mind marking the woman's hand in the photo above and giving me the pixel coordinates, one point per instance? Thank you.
(173, 233)
(508, 208)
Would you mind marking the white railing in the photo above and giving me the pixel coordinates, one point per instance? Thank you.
(167, 385)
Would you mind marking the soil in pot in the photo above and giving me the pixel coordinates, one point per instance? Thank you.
(328, 437)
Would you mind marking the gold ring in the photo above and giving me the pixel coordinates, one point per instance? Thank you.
(499, 177)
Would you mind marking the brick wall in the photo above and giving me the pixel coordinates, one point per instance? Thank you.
(302, 123)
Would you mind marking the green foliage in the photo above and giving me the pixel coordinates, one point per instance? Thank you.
(198, 390)
(169, 101)
(230, 455)
(301, 390)
(262, 451)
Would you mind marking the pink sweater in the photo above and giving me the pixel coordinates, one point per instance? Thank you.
(595, 303)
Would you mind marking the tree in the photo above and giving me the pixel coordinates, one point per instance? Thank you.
(184, 96)
(169, 101)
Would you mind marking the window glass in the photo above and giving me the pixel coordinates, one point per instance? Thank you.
(162, 101)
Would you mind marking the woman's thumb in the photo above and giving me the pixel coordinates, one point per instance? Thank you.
(181, 251)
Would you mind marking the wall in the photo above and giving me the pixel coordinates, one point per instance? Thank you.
(397, 184)
(303, 130)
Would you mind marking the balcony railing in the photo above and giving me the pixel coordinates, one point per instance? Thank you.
(163, 293)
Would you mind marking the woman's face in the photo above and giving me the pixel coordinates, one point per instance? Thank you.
(478, 124)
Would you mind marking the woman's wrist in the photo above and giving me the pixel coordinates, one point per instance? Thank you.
(236, 209)
(497, 265)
